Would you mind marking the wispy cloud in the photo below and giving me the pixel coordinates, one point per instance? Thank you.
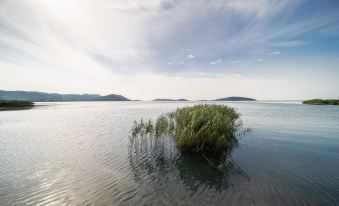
(110, 39)
(237, 61)
(215, 62)
(238, 76)
(149, 36)
(275, 53)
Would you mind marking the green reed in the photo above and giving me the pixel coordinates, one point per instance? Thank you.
(200, 128)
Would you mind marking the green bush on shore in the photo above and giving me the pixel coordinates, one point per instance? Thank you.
(322, 101)
(201, 128)
(15, 103)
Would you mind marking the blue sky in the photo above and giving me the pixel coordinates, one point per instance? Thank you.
(199, 49)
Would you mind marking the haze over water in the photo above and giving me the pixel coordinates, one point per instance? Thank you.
(77, 153)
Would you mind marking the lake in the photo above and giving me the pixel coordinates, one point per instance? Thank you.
(77, 153)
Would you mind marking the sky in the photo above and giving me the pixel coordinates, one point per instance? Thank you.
(194, 49)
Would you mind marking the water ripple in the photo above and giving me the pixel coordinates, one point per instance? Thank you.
(77, 154)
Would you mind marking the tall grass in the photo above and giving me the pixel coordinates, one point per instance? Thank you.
(201, 128)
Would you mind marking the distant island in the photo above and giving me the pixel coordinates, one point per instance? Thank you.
(221, 99)
(15, 104)
(322, 102)
(235, 99)
(55, 97)
(112, 97)
(170, 100)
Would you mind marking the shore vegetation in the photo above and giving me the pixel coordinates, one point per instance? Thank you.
(12, 104)
(322, 101)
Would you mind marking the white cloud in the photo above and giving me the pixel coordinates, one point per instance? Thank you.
(51, 28)
(294, 43)
(260, 60)
(238, 76)
(190, 56)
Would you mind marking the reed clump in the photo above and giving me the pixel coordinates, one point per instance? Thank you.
(200, 128)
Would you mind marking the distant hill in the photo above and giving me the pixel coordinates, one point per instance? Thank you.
(55, 97)
(235, 99)
(112, 97)
(169, 100)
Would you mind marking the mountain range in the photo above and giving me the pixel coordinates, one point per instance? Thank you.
(55, 97)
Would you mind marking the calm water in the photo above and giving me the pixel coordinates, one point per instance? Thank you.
(77, 154)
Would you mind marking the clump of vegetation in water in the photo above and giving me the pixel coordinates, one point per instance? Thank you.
(15, 104)
(322, 102)
(207, 128)
(201, 128)
(204, 129)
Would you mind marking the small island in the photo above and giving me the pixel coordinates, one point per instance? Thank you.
(235, 99)
(15, 104)
(322, 102)
(112, 97)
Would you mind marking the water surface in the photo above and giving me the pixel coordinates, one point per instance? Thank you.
(77, 153)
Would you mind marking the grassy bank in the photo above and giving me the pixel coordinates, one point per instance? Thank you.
(322, 102)
(12, 104)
